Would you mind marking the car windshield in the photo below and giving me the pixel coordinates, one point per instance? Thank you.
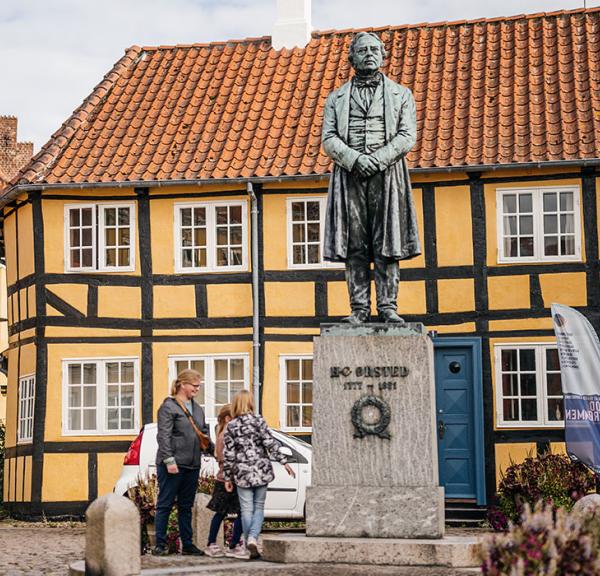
(294, 438)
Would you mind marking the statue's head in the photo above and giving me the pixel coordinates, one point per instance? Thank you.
(366, 52)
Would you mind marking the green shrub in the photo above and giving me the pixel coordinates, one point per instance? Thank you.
(550, 478)
(547, 542)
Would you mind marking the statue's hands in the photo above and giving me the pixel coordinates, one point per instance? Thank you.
(366, 166)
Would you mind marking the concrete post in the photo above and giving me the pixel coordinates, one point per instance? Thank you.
(201, 517)
(112, 537)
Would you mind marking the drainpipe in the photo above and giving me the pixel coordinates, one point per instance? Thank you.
(255, 296)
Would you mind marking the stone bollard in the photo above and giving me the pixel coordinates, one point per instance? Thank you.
(201, 517)
(587, 509)
(112, 537)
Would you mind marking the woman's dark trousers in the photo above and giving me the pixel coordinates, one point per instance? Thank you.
(181, 486)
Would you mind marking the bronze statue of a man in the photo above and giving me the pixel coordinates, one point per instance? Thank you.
(368, 128)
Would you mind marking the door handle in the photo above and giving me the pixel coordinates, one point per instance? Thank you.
(441, 430)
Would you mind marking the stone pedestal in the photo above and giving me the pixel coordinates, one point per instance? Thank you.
(374, 463)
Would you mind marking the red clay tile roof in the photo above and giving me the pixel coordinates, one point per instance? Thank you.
(488, 92)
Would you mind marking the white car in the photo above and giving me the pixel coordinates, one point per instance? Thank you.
(286, 496)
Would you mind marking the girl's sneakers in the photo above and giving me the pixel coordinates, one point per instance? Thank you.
(252, 547)
(214, 551)
(238, 552)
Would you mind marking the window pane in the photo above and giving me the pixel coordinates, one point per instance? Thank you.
(312, 211)
(221, 372)
(235, 255)
(293, 369)
(74, 420)
(110, 217)
(307, 369)
(126, 395)
(124, 239)
(110, 236)
(526, 224)
(197, 365)
(89, 374)
(221, 393)
(86, 216)
(298, 211)
(74, 217)
(509, 385)
(307, 416)
(566, 201)
(112, 372)
(567, 245)
(200, 257)
(87, 258)
(186, 258)
(509, 360)
(555, 409)
(299, 255)
(221, 214)
(75, 237)
(89, 419)
(74, 396)
(307, 393)
(124, 216)
(550, 224)
(298, 233)
(186, 237)
(222, 256)
(237, 369)
(549, 202)
(235, 214)
(313, 254)
(89, 396)
(511, 247)
(127, 373)
(528, 387)
(552, 362)
(551, 245)
(74, 373)
(554, 384)
(529, 409)
(510, 203)
(200, 216)
(75, 259)
(567, 223)
(293, 416)
(510, 225)
(510, 409)
(527, 358)
(313, 231)
(123, 256)
(111, 257)
(525, 202)
(526, 246)
(222, 237)
(126, 418)
(186, 216)
(112, 418)
(293, 393)
(235, 233)
(112, 396)
(235, 388)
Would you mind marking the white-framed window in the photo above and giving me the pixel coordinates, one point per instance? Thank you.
(223, 375)
(538, 224)
(211, 236)
(26, 406)
(528, 386)
(100, 237)
(305, 232)
(100, 396)
(296, 375)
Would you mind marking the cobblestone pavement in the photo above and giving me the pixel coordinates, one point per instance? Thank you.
(48, 549)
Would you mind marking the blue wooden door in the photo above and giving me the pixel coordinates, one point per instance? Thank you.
(456, 421)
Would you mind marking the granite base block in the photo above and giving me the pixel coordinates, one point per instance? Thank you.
(364, 511)
(451, 551)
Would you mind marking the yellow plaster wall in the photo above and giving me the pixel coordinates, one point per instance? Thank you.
(162, 350)
(74, 294)
(567, 288)
(275, 231)
(290, 298)
(558, 448)
(109, 470)
(507, 454)
(28, 364)
(119, 301)
(201, 331)
(162, 223)
(490, 208)
(465, 327)
(31, 300)
(271, 396)
(521, 324)
(456, 295)
(10, 244)
(229, 300)
(419, 261)
(453, 226)
(421, 177)
(338, 303)
(56, 354)
(26, 251)
(18, 479)
(57, 468)
(23, 302)
(174, 302)
(508, 292)
(11, 398)
(318, 185)
(6, 486)
(83, 332)
(411, 297)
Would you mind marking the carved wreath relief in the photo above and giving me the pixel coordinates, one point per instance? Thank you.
(370, 414)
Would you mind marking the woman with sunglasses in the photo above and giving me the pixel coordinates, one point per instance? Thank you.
(182, 431)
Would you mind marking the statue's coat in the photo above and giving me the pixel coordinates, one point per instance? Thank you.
(400, 236)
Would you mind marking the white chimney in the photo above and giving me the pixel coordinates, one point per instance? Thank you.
(292, 27)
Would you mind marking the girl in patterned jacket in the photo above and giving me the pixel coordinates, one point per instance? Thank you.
(249, 449)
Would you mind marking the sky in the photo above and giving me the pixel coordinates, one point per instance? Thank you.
(53, 52)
